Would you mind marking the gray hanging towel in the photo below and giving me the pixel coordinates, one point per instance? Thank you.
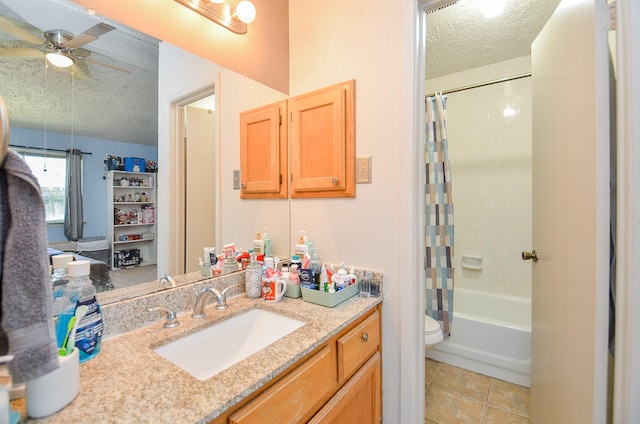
(25, 286)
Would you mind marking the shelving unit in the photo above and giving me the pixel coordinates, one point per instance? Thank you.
(131, 218)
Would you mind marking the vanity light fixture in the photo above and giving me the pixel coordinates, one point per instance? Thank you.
(218, 11)
(59, 58)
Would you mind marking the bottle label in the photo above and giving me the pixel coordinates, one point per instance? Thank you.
(89, 333)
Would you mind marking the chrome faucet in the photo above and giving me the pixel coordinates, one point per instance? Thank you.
(220, 296)
(166, 279)
(171, 320)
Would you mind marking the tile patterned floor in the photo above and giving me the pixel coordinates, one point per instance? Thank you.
(457, 396)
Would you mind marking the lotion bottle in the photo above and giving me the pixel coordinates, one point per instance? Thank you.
(267, 243)
(301, 249)
(258, 245)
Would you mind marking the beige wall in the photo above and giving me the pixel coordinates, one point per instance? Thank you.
(262, 53)
(372, 42)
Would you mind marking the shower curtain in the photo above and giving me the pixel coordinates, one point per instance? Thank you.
(439, 216)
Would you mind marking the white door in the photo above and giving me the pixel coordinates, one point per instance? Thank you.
(570, 216)
(199, 186)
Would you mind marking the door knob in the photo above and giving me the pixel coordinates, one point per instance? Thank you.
(530, 255)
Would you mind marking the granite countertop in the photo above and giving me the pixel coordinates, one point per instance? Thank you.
(128, 382)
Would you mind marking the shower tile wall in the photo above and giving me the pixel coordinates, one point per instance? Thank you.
(489, 132)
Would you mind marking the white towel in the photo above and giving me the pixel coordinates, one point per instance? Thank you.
(25, 286)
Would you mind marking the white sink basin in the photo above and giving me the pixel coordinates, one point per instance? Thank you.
(215, 348)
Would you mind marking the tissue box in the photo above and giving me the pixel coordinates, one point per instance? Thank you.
(134, 164)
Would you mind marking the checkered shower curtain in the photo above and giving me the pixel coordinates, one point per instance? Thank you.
(439, 216)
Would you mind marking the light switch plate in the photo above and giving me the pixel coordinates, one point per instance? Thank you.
(363, 169)
(236, 179)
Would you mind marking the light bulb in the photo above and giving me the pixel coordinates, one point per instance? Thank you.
(58, 59)
(491, 8)
(246, 11)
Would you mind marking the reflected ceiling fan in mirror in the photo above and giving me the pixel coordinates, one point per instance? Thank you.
(61, 48)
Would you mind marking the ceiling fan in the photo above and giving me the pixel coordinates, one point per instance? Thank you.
(60, 47)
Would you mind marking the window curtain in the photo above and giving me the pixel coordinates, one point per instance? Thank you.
(73, 215)
(439, 216)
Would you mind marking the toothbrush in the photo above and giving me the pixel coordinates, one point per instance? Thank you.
(81, 311)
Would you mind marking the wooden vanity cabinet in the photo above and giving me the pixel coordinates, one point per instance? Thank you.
(263, 152)
(322, 128)
(339, 382)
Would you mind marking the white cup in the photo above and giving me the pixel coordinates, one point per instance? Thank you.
(273, 289)
(53, 391)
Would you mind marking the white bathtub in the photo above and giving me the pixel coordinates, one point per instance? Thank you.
(490, 334)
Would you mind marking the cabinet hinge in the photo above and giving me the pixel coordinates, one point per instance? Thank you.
(612, 15)
(280, 179)
(292, 177)
(279, 119)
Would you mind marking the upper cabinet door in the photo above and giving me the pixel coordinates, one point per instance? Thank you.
(323, 142)
(263, 152)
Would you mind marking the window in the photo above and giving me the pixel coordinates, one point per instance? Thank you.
(51, 171)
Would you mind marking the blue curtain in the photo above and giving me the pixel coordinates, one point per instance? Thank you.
(439, 216)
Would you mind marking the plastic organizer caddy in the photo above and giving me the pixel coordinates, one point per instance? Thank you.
(329, 299)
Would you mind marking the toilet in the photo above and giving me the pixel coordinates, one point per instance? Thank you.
(432, 332)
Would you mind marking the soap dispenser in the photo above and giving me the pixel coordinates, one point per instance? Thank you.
(253, 278)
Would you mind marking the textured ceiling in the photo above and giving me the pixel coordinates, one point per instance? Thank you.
(460, 37)
(110, 104)
(121, 106)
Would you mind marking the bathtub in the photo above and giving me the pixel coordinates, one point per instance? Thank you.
(490, 334)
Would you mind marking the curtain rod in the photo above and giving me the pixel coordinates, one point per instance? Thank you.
(47, 149)
(482, 84)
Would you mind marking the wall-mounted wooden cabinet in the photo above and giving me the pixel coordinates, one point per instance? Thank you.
(263, 152)
(322, 156)
(322, 146)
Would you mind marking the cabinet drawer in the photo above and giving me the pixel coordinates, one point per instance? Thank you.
(293, 398)
(355, 347)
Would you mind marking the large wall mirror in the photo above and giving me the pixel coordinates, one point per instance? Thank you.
(129, 96)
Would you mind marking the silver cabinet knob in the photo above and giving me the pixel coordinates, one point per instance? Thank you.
(335, 180)
(530, 255)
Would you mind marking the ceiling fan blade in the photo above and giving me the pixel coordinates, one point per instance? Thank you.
(89, 35)
(80, 70)
(21, 30)
(97, 62)
(20, 52)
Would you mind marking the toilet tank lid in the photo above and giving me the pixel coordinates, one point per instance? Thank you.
(431, 326)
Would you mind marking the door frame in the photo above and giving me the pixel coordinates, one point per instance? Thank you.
(627, 344)
(177, 177)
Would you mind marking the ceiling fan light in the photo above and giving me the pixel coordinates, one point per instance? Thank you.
(246, 11)
(59, 59)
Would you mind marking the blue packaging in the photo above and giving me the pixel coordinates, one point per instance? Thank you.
(134, 164)
(88, 337)
(306, 278)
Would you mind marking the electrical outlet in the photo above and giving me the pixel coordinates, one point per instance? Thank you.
(236, 179)
(363, 169)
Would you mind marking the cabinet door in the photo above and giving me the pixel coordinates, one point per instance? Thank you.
(296, 396)
(323, 142)
(358, 401)
(263, 152)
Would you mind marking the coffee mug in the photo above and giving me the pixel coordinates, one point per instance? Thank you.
(273, 289)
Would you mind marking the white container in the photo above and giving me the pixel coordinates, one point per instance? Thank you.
(55, 390)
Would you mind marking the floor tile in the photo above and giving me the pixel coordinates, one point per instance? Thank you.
(430, 369)
(445, 407)
(462, 382)
(509, 396)
(498, 416)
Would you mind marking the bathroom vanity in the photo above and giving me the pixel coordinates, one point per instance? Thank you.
(329, 368)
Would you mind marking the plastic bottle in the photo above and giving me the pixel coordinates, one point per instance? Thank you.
(294, 277)
(342, 280)
(59, 280)
(316, 266)
(81, 291)
(258, 244)
(267, 243)
(301, 249)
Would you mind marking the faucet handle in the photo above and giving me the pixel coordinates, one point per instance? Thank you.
(171, 320)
